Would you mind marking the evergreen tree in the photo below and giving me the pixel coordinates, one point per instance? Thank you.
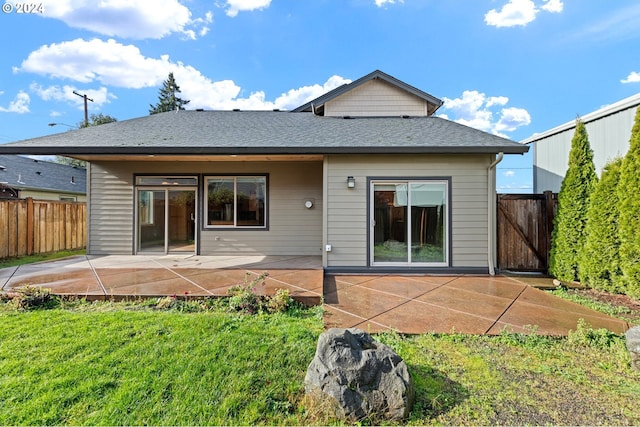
(168, 99)
(97, 119)
(629, 206)
(573, 202)
(600, 259)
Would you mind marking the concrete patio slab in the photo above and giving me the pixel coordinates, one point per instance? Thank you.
(464, 304)
(410, 304)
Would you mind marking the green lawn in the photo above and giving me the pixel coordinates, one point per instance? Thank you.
(27, 259)
(133, 364)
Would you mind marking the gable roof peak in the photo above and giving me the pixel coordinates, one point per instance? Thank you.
(316, 105)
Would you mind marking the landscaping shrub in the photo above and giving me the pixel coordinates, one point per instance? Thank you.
(629, 207)
(599, 265)
(245, 299)
(31, 297)
(573, 202)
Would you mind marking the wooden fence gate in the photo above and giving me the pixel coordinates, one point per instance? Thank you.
(524, 226)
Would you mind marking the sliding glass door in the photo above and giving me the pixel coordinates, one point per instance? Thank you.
(409, 223)
(165, 217)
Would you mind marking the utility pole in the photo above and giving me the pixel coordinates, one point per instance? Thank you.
(86, 114)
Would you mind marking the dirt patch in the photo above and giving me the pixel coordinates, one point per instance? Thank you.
(631, 306)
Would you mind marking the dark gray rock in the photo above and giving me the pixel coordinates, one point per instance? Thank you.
(358, 377)
(633, 345)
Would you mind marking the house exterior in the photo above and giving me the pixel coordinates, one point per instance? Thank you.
(364, 177)
(22, 177)
(609, 130)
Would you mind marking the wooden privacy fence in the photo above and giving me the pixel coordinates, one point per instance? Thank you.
(524, 227)
(30, 226)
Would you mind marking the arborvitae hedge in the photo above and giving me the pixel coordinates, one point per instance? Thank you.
(599, 262)
(629, 206)
(573, 202)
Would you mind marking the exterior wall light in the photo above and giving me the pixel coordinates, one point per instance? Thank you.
(351, 182)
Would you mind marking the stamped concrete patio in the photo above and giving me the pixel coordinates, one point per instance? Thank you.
(406, 303)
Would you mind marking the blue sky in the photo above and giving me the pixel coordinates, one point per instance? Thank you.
(509, 67)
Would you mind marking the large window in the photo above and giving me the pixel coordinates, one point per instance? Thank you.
(235, 201)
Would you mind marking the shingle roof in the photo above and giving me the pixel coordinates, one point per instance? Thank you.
(377, 74)
(267, 132)
(26, 173)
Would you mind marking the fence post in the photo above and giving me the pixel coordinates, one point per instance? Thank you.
(29, 226)
(549, 208)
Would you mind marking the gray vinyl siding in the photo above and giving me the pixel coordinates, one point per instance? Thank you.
(347, 208)
(609, 138)
(376, 98)
(110, 209)
(293, 229)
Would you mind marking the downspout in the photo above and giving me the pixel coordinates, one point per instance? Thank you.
(490, 212)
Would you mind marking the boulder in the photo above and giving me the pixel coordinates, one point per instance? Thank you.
(355, 377)
(633, 345)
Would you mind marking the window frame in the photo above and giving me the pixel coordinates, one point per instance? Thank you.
(447, 235)
(235, 225)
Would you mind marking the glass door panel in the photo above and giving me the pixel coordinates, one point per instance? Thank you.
(389, 219)
(151, 220)
(428, 222)
(181, 225)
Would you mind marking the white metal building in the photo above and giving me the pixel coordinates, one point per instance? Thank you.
(609, 130)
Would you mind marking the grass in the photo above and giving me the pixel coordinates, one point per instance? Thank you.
(105, 363)
(123, 364)
(13, 261)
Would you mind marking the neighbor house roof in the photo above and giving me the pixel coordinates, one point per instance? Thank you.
(317, 105)
(266, 132)
(24, 173)
(630, 102)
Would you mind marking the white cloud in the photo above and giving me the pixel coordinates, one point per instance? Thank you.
(236, 6)
(65, 93)
(296, 97)
(113, 64)
(512, 118)
(633, 77)
(381, 3)
(136, 19)
(509, 173)
(20, 104)
(553, 6)
(520, 12)
(107, 62)
(473, 109)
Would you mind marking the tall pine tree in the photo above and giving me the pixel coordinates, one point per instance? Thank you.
(629, 220)
(573, 203)
(168, 99)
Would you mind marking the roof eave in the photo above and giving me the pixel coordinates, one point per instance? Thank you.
(152, 151)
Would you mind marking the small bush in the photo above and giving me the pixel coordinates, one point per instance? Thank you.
(245, 299)
(584, 335)
(31, 297)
